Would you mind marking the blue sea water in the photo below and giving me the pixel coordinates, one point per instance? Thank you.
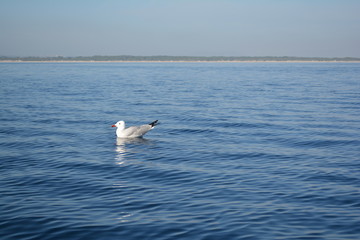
(243, 151)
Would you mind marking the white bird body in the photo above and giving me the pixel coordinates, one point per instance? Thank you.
(134, 131)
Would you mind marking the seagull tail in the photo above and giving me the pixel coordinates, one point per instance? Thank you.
(154, 123)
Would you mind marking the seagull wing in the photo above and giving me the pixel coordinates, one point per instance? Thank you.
(137, 131)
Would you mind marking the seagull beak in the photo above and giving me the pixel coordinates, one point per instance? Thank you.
(113, 126)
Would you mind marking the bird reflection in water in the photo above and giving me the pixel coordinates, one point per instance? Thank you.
(123, 149)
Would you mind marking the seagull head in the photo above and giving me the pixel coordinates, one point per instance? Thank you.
(119, 124)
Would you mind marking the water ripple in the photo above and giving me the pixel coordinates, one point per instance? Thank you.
(244, 151)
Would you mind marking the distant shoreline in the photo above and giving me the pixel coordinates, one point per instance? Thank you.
(182, 61)
(176, 59)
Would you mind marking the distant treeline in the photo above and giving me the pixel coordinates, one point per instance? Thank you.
(173, 58)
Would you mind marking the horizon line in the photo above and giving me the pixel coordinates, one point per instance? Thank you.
(165, 55)
(171, 58)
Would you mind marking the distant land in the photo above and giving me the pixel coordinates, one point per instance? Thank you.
(130, 58)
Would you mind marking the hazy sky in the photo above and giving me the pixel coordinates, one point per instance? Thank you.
(311, 28)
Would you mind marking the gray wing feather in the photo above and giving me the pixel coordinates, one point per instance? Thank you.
(137, 131)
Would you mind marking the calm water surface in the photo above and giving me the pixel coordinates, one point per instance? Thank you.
(243, 151)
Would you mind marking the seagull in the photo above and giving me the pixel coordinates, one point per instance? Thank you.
(134, 131)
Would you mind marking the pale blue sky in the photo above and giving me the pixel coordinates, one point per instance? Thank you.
(304, 28)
